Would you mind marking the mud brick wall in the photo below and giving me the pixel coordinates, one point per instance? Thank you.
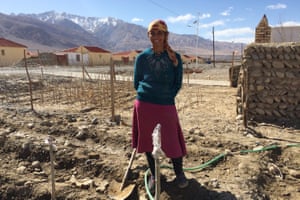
(271, 84)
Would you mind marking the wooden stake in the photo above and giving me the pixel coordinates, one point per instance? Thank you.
(50, 141)
(29, 80)
(112, 90)
(157, 178)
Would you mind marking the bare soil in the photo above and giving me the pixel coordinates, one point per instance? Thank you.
(91, 151)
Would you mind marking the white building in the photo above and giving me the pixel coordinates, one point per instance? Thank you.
(285, 34)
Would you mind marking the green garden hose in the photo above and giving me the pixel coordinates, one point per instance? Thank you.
(214, 160)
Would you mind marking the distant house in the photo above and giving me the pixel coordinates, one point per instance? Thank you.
(10, 52)
(125, 57)
(128, 57)
(84, 55)
(285, 34)
(187, 59)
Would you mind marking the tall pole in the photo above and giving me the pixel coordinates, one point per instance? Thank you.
(241, 52)
(214, 54)
(197, 40)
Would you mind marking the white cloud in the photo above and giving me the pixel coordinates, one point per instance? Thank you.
(289, 23)
(246, 40)
(246, 36)
(187, 17)
(227, 12)
(136, 20)
(276, 7)
(181, 18)
(234, 32)
(238, 35)
(214, 23)
(204, 16)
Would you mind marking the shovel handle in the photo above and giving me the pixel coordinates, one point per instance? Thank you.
(128, 168)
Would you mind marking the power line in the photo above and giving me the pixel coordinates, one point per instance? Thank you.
(163, 7)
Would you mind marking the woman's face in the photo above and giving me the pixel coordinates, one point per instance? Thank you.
(157, 38)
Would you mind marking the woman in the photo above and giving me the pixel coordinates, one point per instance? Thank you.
(157, 80)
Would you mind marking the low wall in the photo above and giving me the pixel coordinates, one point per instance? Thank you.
(271, 83)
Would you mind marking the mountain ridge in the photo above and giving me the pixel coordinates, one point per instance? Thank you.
(50, 31)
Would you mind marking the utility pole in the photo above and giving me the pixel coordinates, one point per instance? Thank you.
(214, 54)
(242, 52)
(196, 22)
(197, 38)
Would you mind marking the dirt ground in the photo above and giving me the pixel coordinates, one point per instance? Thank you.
(91, 151)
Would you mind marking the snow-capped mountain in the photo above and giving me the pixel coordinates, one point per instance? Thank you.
(88, 23)
(54, 31)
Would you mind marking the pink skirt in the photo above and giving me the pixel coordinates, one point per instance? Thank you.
(145, 118)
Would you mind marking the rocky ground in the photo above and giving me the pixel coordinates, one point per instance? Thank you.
(91, 152)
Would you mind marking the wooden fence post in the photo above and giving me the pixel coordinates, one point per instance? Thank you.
(112, 89)
(29, 80)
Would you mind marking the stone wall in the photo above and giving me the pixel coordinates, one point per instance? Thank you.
(269, 88)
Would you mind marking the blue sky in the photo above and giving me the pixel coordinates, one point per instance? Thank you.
(233, 20)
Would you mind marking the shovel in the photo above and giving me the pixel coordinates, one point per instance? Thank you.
(123, 192)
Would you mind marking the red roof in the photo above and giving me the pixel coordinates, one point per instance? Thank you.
(90, 48)
(96, 49)
(7, 43)
(186, 56)
(71, 50)
(127, 52)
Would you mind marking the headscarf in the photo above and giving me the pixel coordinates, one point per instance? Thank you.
(161, 25)
(158, 24)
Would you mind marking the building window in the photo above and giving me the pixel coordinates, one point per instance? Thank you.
(77, 57)
(2, 52)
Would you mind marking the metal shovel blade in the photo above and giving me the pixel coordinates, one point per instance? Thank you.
(119, 191)
(115, 193)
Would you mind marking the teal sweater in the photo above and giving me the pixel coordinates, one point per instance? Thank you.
(156, 79)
